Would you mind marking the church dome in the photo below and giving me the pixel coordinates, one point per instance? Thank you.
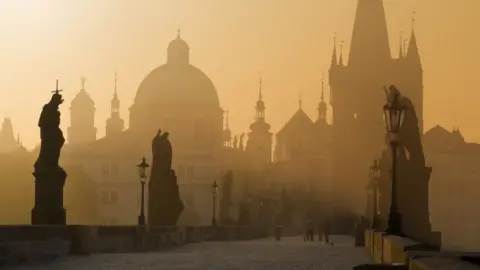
(177, 82)
(82, 99)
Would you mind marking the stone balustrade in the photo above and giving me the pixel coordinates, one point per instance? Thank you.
(394, 250)
(26, 243)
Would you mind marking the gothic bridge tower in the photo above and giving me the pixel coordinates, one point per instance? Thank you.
(357, 97)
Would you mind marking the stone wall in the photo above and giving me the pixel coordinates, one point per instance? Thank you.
(26, 243)
(391, 249)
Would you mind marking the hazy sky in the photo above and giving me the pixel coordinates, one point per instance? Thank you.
(232, 41)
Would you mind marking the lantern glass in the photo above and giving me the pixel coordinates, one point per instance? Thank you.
(143, 169)
(214, 188)
(394, 114)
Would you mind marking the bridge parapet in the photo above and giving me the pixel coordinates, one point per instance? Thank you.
(27, 243)
(394, 250)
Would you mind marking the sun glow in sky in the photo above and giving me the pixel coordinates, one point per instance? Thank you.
(233, 41)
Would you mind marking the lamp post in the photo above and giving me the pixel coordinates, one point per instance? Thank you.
(143, 173)
(375, 176)
(214, 195)
(394, 113)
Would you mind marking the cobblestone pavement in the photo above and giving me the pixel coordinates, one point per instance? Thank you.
(290, 253)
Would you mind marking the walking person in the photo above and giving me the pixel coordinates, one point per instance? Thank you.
(326, 232)
(320, 231)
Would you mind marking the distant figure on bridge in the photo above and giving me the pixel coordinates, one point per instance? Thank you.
(326, 232)
(309, 230)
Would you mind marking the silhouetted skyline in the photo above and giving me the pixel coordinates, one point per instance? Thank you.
(95, 40)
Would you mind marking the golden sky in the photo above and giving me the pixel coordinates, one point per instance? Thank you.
(232, 41)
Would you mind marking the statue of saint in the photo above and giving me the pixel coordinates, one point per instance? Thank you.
(162, 154)
(51, 135)
(156, 141)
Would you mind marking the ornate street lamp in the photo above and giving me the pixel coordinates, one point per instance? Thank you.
(375, 176)
(214, 195)
(143, 173)
(394, 113)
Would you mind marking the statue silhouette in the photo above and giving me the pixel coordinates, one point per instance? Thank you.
(164, 203)
(413, 177)
(49, 176)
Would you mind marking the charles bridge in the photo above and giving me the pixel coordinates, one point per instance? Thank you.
(159, 244)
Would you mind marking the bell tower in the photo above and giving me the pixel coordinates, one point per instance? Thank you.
(82, 118)
(259, 143)
(115, 124)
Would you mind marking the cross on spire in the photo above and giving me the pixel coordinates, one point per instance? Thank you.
(115, 83)
(323, 86)
(260, 94)
(57, 91)
(300, 100)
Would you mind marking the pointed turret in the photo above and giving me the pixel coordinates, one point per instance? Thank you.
(260, 106)
(369, 44)
(340, 61)
(115, 123)
(259, 143)
(322, 106)
(400, 49)
(334, 62)
(413, 54)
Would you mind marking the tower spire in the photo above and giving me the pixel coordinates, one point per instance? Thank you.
(115, 86)
(341, 53)
(260, 94)
(369, 40)
(400, 52)
(413, 53)
(322, 106)
(334, 61)
(300, 100)
(260, 107)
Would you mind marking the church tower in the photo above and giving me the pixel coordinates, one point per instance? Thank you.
(115, 124)
(82, 115)
(259, 143)
(357, 97)
(322, 108)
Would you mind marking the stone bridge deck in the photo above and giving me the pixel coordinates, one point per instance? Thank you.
(290, 253)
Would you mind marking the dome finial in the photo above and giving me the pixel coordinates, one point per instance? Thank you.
(83, 81)
(300, 100)
(178, 32)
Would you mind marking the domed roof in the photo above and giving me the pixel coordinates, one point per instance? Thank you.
(178, 43)
(82, 99)
(177, 81)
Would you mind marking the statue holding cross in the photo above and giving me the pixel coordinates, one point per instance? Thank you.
(49, 176)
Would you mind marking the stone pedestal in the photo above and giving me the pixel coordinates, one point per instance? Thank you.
(48, 209)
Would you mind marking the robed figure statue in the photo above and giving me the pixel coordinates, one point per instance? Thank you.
(49, 176)
(164, 203)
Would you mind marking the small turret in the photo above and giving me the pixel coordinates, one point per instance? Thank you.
(413, 55)
(115, 123)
